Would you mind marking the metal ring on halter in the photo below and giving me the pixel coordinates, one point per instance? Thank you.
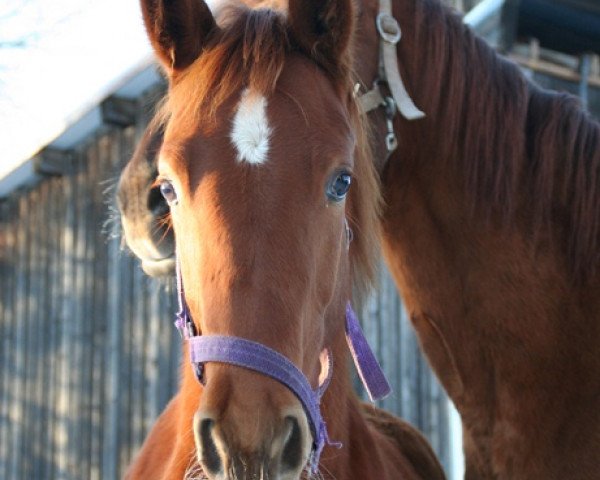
(388, 28)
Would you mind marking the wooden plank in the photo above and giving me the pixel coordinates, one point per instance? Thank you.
(17, 408)
(552, 69)
(37, 326)
(166, 328)
(127, 366)
(80, 463)
(397, 339)
(25, 299)
(100, 170)
(73, 354)
(7, 254)
(29, 408)
(53, 318)
(56, 228)
(64, 430)
(89, 278)
(388, 324)
(40, 331)
(136, 325)
(111, 441)
(152, 357)
(4, 328)
(137, 336)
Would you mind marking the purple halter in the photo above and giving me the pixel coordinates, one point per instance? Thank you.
(265, 360)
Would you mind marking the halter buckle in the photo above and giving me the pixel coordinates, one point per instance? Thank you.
(388, 28)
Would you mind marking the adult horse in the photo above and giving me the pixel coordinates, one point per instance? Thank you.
(491, 228)
(256, 178)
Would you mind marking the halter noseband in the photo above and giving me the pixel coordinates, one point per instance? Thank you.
(260, 358)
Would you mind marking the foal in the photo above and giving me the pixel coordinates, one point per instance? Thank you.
(262, 164)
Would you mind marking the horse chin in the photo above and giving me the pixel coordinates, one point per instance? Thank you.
(161, 268)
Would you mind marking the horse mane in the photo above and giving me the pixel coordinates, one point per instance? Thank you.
(249, 50)
(521, 148)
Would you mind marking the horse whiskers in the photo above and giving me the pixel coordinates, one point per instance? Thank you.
(318, 475)
(161, 222)
(194, 470)
(195, 473)
(111, 227)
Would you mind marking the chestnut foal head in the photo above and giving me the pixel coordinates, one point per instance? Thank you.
(260, 165)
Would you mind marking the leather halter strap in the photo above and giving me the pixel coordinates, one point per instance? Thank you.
(389, 72)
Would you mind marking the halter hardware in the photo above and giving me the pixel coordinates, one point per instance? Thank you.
(389, 73)
(388, 28)
(391, 141)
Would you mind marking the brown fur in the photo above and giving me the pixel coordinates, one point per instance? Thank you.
(274, 285)
(410, 441)
(490, 227)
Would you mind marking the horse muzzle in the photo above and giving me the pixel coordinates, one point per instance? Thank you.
(267, 446)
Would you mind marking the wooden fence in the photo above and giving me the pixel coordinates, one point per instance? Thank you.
(89, 356)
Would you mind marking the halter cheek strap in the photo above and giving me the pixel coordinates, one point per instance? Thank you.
(366, 364)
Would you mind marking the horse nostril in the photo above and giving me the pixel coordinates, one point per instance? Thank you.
(209, 457)
(291, 457)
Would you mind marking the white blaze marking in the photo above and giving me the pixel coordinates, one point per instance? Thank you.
(251, 131)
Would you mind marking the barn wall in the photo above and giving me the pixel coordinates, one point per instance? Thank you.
(89, 356)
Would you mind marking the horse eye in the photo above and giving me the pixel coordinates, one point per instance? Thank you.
(168, 192)
(338, 186)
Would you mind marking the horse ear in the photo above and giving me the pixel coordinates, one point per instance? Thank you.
(177, 30)
(323, 29)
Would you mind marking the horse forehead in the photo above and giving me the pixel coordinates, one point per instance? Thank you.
(317, 98)
(259, 121)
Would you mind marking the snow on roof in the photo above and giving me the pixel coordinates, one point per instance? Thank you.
(50, 91)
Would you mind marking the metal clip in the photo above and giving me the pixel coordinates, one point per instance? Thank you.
(388, 28)
(391, 141)
(180, 322)
(199, 371)
(191, 329)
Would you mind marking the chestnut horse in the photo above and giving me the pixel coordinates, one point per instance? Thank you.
(261, 140)
(490, 220)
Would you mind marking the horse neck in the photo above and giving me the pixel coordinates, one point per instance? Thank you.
(488, 131)
(360, 456)
(452, 76)
(489, 293)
